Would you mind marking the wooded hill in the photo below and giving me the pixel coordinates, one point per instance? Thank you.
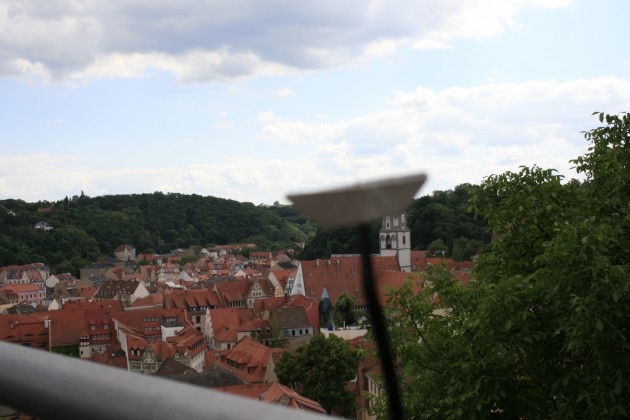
(85, 228)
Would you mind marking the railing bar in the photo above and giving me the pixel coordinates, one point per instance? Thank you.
(51, 386)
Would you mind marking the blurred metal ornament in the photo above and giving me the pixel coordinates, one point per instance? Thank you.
(360, 203)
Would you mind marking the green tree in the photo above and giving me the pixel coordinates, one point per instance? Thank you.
(437, 248)
(344, 312)
(319, 370)
(543, 330)
(465, 249)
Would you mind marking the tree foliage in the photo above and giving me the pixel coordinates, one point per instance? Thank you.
(319, 370)
(543, 330)
(442, 215)
(344, 312)
(86, 228)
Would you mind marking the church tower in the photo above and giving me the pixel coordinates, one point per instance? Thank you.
(395, 239)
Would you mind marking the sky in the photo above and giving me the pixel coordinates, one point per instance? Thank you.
(252, 100)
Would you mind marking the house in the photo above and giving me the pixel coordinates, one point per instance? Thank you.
(43, 226)
(125, 291)
(148, 337)
(232, 293)
(223, 326)
(26, 329)
(23, 307)
(291, 323)
(80, 329)
(96, 271)
(251, 361)
(194, 302)
(259, 288)
(149, 324)
(185, 346)
(55, 279)
(168, 272)
(275, 393)
(260, 257)
(125, 253)
(263, 308)
(23, 274)
(152, 301)
(26, 292)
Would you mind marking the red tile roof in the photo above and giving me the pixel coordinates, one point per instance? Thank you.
(154, 299)
(274, 393)
(249, 360)
(146, 322)
(192, 298)
(226, 322)
(341, 275)
(23, 288)
(387, 280)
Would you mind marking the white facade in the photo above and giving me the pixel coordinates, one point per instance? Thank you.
(395, 239)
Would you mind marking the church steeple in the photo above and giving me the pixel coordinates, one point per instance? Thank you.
(395, 239)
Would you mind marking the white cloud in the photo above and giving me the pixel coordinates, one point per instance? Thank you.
(285, 92)
(230, 40)
(462, 134)
(266, 117)
(456, 135)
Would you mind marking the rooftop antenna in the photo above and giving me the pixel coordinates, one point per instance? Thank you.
(360, 205)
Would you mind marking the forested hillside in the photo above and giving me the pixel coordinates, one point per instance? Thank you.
(85, 228)
(438, 222)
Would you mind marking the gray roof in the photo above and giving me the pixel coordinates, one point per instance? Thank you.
(291, 317)
(212, 377)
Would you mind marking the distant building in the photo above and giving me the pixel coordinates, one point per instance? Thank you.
(395, 239)
(43, 226)
(125, 253)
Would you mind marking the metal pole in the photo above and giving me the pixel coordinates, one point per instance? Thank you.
(379, 327)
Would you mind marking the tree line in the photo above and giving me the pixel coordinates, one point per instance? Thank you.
(86, 228)
(439, 222)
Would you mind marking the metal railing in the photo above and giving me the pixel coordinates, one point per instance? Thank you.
(51, 386)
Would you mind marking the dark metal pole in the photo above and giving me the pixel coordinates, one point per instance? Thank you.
(379, 326)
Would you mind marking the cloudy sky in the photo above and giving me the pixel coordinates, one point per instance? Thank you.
(251, 100)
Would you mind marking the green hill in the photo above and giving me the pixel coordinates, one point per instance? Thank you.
(85, 228)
